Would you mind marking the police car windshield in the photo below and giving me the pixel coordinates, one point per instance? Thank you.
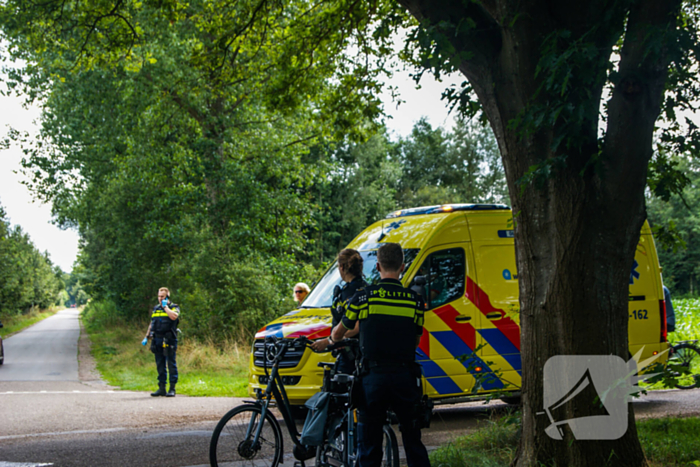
(322, 295)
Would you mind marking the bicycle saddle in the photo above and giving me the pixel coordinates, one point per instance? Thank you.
(342, 378)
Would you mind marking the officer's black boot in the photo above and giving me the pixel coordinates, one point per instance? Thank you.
(171, 393)
(160, 391)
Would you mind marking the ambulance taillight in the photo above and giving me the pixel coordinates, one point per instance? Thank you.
(662, 312)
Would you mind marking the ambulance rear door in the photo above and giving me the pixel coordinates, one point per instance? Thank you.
(645, 298)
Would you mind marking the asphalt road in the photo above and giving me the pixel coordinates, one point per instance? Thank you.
(54, 419)
(47, 351)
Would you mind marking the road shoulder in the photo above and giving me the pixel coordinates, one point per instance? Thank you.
(87, 366)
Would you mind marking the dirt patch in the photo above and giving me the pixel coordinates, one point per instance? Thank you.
(87, 367)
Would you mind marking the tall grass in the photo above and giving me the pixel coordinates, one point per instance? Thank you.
(206, 368)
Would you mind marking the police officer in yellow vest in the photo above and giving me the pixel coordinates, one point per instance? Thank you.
(350, 268)
(163, 331)
(391, 323)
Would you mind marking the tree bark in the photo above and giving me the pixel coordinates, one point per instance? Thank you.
(577, 218)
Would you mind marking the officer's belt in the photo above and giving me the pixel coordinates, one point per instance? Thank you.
(389, 364)
(162, 334)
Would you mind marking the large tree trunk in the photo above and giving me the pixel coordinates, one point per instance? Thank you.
(578, 216)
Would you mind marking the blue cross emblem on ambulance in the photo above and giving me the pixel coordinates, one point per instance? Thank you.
(393, 226)
(634, 274)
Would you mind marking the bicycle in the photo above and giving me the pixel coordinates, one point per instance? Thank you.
(340, 442)
(250, 435)
(686, 355)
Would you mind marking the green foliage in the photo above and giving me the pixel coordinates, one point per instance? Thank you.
(102, 314)
(172, 137)
(13, 323)
(677, 218)
(461, 166)
(356, 186)
(687, 313)
(28, 279)
(74, 293)
(666, 178)
(226, 297)
(361, 183)
(218, 148)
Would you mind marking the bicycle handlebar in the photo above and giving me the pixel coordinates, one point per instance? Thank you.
(354, 343)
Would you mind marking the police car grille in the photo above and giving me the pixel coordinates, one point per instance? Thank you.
(290, 360)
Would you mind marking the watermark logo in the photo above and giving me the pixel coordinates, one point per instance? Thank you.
(588, 395)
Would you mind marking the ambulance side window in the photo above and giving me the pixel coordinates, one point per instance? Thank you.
(443, 273)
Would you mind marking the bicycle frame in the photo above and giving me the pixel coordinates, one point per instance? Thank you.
(341, 446)
(349, 448)
(275, 388)
(348, 453)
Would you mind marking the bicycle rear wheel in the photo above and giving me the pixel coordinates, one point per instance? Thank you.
(391, 448)
(333, 451)
(232, 440)
(688, 356)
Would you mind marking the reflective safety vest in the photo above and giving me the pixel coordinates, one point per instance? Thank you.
(391, 317)
(162, 324)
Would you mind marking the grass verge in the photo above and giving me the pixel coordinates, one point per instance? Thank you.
(205, 368)
(667, 442)
(492, 445)
(16, 323)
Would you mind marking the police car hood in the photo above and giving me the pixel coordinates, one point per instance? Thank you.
(313, 323)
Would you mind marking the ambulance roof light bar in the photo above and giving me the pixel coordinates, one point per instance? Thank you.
(446, 208)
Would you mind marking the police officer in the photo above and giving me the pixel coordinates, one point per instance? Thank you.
(163, 330)
(670, 315)
(391, 323)
(350, 268)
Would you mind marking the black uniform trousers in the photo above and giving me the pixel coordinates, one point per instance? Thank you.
(399, 389)
(162, 360)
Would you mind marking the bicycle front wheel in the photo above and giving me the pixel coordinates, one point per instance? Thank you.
(688, 356)
(391, 448)
(233, 440)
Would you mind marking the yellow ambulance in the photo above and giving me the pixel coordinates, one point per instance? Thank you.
(462, 258)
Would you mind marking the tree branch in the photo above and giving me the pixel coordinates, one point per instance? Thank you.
(639, 89)
(481, 35)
